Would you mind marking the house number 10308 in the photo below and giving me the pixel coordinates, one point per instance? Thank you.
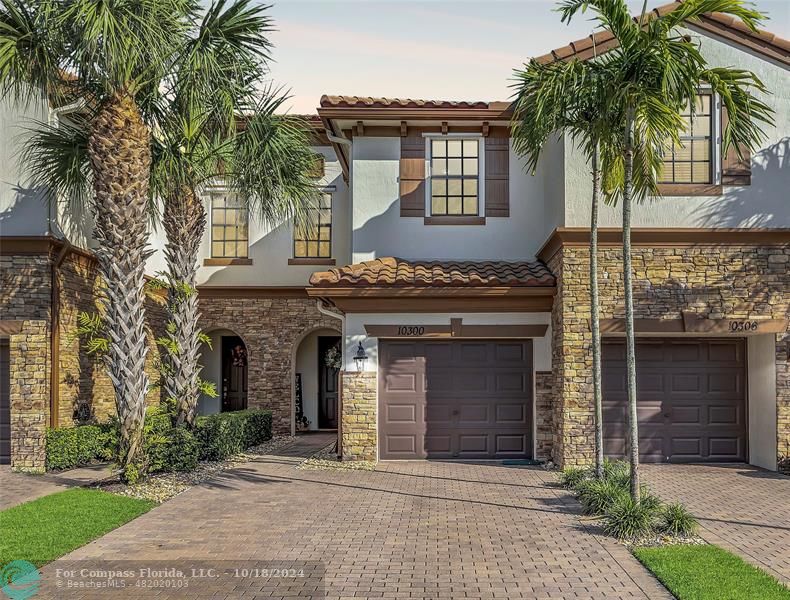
(412, 330)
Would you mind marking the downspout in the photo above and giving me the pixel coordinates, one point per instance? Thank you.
(319, 304)
(54, 336)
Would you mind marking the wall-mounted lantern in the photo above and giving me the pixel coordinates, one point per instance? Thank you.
(360, 358)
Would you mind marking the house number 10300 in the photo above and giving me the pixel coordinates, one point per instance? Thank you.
(413, 330)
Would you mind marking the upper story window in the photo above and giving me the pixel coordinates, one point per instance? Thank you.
(455, 176)
(692, 160)
(313, 239)
(229, 227)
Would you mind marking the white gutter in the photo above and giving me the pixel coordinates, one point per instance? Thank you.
(338, 139)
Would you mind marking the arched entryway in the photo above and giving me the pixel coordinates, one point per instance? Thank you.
(315, 371)
(225, 364)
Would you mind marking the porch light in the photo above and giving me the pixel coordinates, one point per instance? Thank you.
(360, 358)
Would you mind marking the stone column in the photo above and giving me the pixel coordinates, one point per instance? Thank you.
(358, 424)
(29, 368)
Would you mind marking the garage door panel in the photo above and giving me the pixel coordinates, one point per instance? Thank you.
(475, 402)
(701, 413)
(404, 382)
(401, 413)
(510, 382)
(724, 415)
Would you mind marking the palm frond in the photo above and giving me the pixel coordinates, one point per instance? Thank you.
(57, 158)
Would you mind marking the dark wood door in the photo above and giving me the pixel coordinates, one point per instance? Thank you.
(234, 374)
(327, 384)
(5, 403)
(469, 399)
(691, 399)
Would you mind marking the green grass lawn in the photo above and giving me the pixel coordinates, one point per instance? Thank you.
(44, 529)
(709, 573)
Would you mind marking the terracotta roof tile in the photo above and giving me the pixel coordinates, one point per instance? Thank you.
(371, 102)
(397, 272)
(770, 44)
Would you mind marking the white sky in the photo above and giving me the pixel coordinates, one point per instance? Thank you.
(434, 49)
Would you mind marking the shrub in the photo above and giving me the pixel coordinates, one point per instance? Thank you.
(677, 520)
(629, 520)
(70, 447)
(166, 447)
(597, 495)
(225, 434)
(572, 477)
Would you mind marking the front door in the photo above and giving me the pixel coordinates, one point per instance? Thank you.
(327, 384)
(234, 374)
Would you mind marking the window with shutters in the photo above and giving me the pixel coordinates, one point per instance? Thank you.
(229, 227)
(313, 238)
(692, 161)
(455, 167)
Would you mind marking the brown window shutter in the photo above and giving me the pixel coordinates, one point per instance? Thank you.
(734, 170)
(412, 176)
(497, 176)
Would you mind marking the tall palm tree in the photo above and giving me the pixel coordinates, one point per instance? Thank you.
(217, 123)
(570, 97)
(108, 54)
(656, 71)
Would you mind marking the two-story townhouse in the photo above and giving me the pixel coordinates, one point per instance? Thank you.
(454, 285)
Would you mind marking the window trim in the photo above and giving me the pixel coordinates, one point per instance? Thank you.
(317, 260)
(480, 217)
(217, 261)
(715, 187)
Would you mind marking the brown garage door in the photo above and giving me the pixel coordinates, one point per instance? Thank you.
(691, 399)
(5, 405)
(455, 399)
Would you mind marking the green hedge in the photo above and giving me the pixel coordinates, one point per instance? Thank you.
(225, 434)
(167, 448)
(77, 446)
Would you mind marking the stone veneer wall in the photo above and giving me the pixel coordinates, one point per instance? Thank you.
(359, 431)
(83, 380)
(272, 329)
(544, 418)
(26, 296)
(738, 282)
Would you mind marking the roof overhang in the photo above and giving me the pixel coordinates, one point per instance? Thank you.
(437, 300)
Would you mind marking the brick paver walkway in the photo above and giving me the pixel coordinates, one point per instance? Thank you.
(740, 508)
(16, 488)
(407, 530)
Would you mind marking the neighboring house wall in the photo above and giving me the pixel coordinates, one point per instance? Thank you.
(379, 230)
(761, 204)
(728, 282)
(23, 208)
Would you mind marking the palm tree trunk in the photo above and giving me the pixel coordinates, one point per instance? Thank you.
(633, 426)
(120, 155)
(184, 222)
(594, 314)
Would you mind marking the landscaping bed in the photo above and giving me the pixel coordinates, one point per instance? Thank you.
(44, 529)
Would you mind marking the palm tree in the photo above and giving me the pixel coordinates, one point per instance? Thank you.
(216, 123)
(570, 97)
(656, 71)
(107, 54)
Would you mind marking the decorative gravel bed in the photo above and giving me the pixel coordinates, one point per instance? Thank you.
(161, 487)
(326, 460)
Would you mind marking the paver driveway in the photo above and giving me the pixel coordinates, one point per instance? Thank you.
(406, 530)
(740, 508)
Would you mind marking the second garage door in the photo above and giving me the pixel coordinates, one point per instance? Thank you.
(691, 399)
(455, 399)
